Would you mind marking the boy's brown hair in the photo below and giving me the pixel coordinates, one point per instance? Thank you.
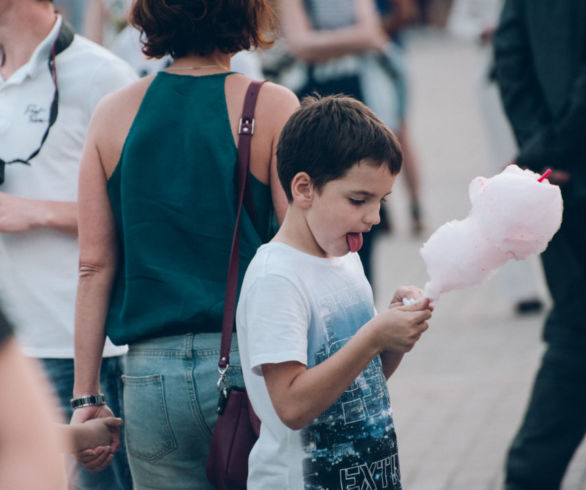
(183, 27)
(326, 136)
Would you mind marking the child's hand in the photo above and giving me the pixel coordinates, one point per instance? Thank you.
(95, 432)
(406, 292)
(399, 327)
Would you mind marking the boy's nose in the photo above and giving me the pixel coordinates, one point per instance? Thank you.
(373, 216)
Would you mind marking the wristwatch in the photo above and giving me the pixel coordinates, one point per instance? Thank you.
(88, 401)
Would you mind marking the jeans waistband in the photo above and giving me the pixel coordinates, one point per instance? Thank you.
(185, 345)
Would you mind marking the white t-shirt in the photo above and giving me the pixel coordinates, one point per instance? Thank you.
(298, 307)
(38, 278)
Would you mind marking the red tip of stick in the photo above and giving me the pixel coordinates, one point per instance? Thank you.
(544, 176)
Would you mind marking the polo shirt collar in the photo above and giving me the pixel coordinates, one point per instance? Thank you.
(39, 59)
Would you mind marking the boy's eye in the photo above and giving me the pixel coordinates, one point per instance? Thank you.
(356, 202)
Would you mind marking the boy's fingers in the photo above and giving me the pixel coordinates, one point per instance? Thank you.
(115, 439)
(419, 305)
(88, 456)
(113, 422)
(101, 462)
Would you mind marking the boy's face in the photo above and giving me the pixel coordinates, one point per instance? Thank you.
(347, 207)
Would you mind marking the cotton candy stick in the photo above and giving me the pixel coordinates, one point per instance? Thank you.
(544, 176)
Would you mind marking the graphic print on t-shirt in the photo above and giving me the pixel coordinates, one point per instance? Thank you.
(353, 444)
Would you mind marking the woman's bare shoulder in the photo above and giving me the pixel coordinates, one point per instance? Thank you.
(123, 103)
(275, 94)
(276, 103)
(112, 120)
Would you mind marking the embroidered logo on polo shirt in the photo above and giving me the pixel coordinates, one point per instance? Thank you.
(35, 113)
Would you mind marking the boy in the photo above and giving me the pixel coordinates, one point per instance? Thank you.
(314, 355)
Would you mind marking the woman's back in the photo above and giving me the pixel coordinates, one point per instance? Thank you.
(173, 195)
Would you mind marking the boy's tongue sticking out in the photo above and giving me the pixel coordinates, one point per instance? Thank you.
(354, 241)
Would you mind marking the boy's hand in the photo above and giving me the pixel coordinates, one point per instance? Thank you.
(399, 327)
(406, 292)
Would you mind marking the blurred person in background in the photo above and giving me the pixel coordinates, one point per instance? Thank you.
(157, 208)
(30, 446)
(340, 46)
(33, 439)
(73, 11)
(106, 23)
(396, 15)
(50, 82)
(540, 59)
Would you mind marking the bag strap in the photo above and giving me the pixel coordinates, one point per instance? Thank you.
(64, 39)
(245, 132)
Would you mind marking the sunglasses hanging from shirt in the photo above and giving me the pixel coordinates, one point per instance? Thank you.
(64, 39)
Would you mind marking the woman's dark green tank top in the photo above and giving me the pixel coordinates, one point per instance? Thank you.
(173, 195)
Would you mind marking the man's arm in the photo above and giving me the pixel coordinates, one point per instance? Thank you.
(544, 140)
(515, 74)
(557, 143)
(18, 214)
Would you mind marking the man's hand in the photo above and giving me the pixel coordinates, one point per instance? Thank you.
(17, 214)
(559, 177)
(98, 458)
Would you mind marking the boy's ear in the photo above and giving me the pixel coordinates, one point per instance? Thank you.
(302, 190)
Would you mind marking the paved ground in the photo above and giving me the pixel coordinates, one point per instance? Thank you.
(460, 394)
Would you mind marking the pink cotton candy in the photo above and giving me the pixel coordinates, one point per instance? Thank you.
(513, 215)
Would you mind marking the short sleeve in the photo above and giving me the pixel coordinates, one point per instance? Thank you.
(273, 319)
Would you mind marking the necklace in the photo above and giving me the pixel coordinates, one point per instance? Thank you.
(197, 67)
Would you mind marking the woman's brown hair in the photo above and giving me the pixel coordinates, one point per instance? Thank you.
(183, 27)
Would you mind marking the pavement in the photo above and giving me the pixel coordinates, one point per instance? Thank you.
(460, 394)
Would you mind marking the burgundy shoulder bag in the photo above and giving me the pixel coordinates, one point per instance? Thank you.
(237, 427)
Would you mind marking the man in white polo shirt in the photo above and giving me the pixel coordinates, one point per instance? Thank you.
(50, 82)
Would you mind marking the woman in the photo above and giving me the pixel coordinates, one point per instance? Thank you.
(157, 200)
(343, 48)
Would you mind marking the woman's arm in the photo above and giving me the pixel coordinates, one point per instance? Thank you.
(283, 103)
(274, 107)
(314, 46)
(97, 264)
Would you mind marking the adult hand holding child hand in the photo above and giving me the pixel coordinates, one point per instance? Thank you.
(99, 457)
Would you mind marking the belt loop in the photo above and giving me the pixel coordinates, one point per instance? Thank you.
(189, 346)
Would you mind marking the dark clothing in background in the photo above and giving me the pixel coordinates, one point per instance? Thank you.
(540, 66)
(5, 330)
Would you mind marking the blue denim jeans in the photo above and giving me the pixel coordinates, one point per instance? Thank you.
(170, 400)
(60, 371)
